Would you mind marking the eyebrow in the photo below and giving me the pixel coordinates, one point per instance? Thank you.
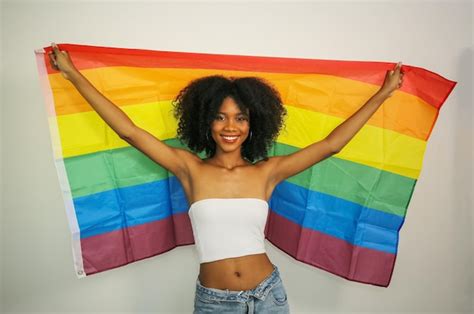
(238, 114)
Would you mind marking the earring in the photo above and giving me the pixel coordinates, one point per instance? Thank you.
(207, 136)
(250, 137)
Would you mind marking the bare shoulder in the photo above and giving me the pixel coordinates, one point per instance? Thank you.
(267, 166)
(271, 161)
(190, 159)
(187, 155)
(266, 163)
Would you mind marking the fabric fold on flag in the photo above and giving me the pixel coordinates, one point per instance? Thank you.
(342, 215)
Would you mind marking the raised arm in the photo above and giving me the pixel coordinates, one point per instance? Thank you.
(286, 166)
(343, 133)
(173, 159)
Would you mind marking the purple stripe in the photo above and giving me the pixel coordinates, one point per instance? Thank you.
(329, 253)
(355, 263)
(120, 247)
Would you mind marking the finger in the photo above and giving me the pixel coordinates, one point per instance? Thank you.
(55, 48)
(52, 59)
(53, 62)
(52, 56)
(53, 65)
(399, 67)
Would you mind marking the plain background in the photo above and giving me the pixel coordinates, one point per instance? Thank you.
(434, 267)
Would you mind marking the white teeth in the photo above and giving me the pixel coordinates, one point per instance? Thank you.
(230, 138)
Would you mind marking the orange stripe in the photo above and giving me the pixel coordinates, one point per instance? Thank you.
(330, 95)
(429, 86)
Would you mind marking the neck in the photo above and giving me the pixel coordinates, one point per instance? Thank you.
(228, 160)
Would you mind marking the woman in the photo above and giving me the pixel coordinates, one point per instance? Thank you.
(235, 121)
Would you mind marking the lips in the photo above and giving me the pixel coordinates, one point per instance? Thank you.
(230, 139)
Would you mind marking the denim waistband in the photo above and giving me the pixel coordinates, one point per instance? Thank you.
(260, 291)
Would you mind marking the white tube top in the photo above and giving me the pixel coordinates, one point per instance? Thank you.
(228, 227)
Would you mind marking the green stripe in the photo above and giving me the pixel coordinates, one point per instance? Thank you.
(358, 183)
(116, 168)
(373, 188)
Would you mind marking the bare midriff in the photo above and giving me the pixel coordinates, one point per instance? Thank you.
(248, 181)
(236, 274)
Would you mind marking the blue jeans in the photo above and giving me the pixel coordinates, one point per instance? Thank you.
(268, 297)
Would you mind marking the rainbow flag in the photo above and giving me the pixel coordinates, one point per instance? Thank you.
(342, 215)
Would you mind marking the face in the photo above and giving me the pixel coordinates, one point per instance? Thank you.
(230, 127)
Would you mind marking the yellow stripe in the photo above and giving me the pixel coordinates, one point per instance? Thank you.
(85, 133)
(372, 146)
(328, 94)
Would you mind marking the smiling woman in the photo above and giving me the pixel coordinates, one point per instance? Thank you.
(235, 120)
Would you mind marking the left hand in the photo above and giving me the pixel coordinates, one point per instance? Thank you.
(393, 80)
(61, 61)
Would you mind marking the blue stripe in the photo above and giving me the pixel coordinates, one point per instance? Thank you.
(130, 206)
(352, 222)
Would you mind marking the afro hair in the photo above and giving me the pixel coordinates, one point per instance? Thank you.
(196, 106)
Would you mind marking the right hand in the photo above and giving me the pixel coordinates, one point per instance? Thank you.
(393, 80)
(60, 61)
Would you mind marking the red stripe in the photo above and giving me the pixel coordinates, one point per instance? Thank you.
(118, 248)
(121, 247)
(417, 81)
(329, 253)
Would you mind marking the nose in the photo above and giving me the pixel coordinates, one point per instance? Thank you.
(230, 125)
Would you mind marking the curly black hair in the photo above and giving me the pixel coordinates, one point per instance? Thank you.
(196, 106)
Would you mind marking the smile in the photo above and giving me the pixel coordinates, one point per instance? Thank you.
(230, 139)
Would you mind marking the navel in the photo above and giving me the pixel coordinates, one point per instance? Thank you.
(237, 274)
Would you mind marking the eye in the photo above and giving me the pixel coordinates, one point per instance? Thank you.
(219, 118)
(243, 119)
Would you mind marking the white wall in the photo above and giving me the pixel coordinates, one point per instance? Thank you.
(434, 266)
(1, 157)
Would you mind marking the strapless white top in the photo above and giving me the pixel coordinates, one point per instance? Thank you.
(228, 227)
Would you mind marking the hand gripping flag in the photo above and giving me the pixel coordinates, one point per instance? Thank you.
(342, 215)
